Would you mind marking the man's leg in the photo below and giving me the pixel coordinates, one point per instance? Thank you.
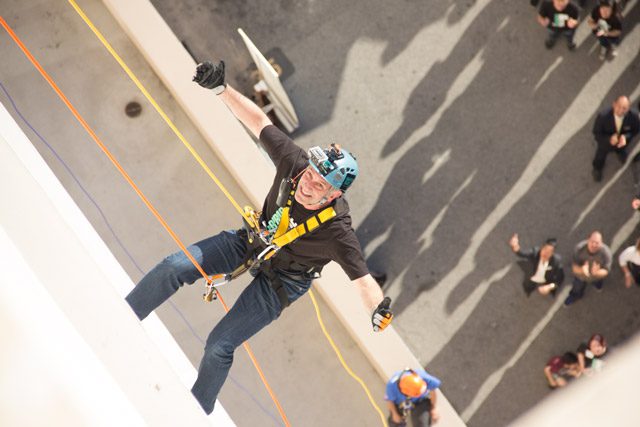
(395, 424)
(598, 161)
(622, 154)
(256, 307)
(577, 291)
(568, 33)
(529, 286)
(635, 272)
(613, 44)
(598, 284)
(604, 42)
(552, 36)
(218, 254)
(421, 416)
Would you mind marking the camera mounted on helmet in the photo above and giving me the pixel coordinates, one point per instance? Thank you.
(337, 166)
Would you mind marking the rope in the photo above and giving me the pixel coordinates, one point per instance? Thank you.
(146, 201)
(159, 110)
(344, 364)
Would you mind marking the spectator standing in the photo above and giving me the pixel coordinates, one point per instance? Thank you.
(560, 17)
(591, 264)
(629, 261)
(546, 273)
(614, 130)
(606, 25)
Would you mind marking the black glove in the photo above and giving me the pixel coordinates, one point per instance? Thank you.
(381, 317)
(211, 76)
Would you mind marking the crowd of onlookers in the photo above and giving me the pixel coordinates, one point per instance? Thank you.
(410, 394)
(614, 131)
(591, 264)
(561, 18)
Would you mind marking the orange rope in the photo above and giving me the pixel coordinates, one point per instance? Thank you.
(141, 195)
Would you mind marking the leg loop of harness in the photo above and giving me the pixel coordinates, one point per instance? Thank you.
(276, 283)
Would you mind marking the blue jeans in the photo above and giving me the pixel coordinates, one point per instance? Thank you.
(256, 307)
(578, 287)
(554, 33)
(608, 41)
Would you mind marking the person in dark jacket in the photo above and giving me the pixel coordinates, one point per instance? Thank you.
(614, 130)
(606, 24)
(545, 267)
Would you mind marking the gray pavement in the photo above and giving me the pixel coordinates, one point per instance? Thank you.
(467, 130)
(300, 365)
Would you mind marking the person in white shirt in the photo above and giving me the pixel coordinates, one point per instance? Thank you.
(629, 261)
(545, 272)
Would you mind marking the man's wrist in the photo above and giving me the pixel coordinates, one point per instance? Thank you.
(219, 89)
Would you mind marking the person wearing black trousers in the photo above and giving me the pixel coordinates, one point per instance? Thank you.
(545, 273)
(614, 130)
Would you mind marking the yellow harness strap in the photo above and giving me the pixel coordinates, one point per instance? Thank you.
(284, 219)
(306, 227)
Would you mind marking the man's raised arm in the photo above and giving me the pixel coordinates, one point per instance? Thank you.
(211, 76)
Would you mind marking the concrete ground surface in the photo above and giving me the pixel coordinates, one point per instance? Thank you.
(300, 366)
(467, 129)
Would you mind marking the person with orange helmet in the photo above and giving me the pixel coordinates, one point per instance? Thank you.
(410, 394)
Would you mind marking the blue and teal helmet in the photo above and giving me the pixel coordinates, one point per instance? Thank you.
(337, 166)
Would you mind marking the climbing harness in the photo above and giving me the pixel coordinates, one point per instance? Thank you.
(406, 407)
(263, 244)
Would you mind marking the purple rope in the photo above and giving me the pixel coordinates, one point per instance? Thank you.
(104, 218)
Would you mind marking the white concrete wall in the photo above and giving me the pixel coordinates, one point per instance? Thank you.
(50, 376)
(73, 351)
(164, 52)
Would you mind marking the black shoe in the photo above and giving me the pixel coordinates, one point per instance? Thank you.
(597, 175)
(549, 42)
(569, 300)
(571, 46)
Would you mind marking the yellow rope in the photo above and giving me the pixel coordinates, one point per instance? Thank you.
(158, 109)
(344, 364)
(221, 186)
